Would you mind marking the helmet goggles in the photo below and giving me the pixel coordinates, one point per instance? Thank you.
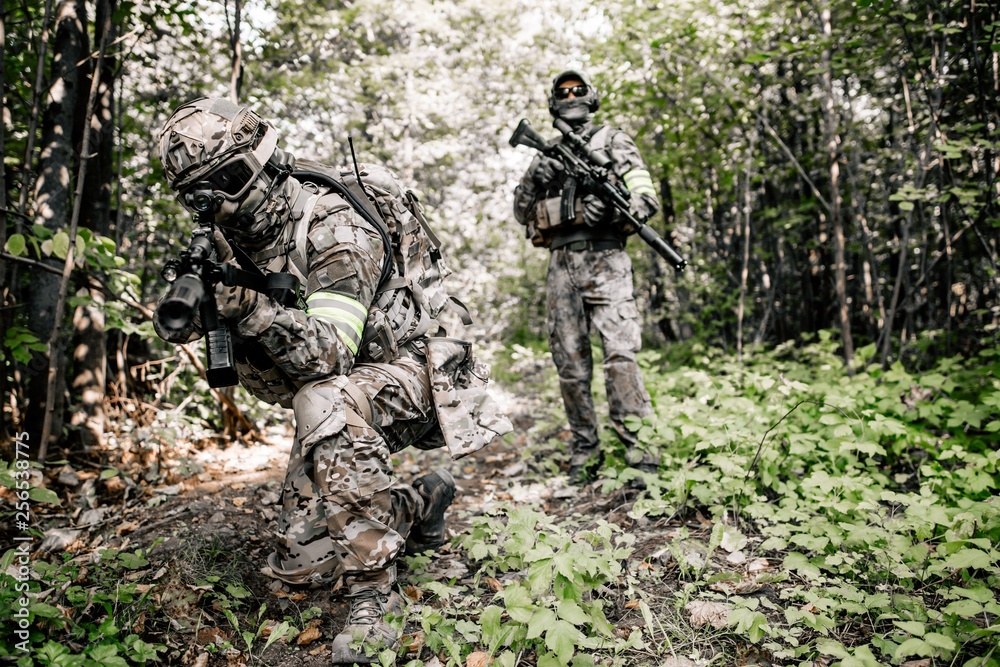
(232, 177)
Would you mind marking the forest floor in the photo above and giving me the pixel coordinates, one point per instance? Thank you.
(200, 524)
(800, 517)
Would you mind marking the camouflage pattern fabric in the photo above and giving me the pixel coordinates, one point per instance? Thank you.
(625, 161)
(469, 417)
(592, 289)
(587, 288)
(343, 511)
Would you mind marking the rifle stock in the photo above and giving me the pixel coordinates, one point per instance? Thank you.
(586, 164)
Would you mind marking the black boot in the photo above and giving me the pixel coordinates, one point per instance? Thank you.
(584, 464)
(367, 632)
(438, 491)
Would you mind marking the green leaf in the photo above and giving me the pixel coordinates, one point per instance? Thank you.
(60, 245)
(520, 606)
(281, 630)
(915, 628)
(540, 620)
(572, 612)
(561, 639)
(963, 608)
(43, 495)
(490, 622)
(797, 562)
(15, 245)
(968, 558)
(940, 641)
(913, 646)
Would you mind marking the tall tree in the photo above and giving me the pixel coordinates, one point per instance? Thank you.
(61, 130)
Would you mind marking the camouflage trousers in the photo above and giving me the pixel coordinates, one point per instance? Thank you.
(343, 510)
(585, 289)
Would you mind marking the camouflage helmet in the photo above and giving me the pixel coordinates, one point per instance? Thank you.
(214, 140)
(591, 99)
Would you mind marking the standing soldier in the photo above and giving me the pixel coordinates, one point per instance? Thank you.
(358, 361)
(589, 281)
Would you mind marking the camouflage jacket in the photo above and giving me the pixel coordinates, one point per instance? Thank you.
(626, 165)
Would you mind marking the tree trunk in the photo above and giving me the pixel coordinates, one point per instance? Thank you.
(5, 315)
(236, 58)
(52, 209)
(91, 340)
(836, 221)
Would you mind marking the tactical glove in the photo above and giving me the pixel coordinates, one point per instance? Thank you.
(233, 302)
(595, 211)
(547, 172)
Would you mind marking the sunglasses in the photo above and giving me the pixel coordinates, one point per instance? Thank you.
(563, 93)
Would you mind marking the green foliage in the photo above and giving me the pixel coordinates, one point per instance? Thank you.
(877, 491)
(94, 618)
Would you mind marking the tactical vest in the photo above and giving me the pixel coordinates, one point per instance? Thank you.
(549, 217)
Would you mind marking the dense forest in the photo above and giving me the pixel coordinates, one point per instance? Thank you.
(829, 169)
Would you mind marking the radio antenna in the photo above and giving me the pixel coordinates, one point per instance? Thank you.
(354, 159)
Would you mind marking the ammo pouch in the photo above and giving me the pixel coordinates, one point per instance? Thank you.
(468, 416)
(548, 219)
(547, 211)
(379, 343)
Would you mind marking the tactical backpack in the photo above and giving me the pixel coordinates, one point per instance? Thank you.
(415, 257)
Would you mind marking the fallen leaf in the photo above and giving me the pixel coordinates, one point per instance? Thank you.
(758, 565)
(493, 584)
(126, 527)
(808, 607)
(632, 604)
(201, 660)
(413, 593)
(212, 636)
(926, 662)
(744, 587)
(239, 502)
(308, 636)
(477, 659)
(715, 614)
(318, 650)
(413, 643)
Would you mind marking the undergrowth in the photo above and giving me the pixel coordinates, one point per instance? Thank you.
(851, 520)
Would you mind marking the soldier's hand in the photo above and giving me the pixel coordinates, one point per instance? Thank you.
(234, 302)
(223, 250)
(595, 211)
(547, 172)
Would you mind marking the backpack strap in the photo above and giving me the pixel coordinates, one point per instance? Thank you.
(353, 193)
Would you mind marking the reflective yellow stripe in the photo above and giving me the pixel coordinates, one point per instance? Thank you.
(639, 182)
(345, 313)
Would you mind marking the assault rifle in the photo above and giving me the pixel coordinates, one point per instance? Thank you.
(193, 276)
(586, 165)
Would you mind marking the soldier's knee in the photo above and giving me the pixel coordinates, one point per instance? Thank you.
(319, 410)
